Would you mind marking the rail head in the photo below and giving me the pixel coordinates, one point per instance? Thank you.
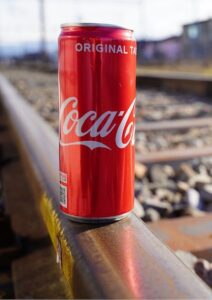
(170, 75)
(197, 85)
(120, 260)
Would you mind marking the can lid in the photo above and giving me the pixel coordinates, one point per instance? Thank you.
(93, 25)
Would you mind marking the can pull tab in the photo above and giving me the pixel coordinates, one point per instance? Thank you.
(59, 252)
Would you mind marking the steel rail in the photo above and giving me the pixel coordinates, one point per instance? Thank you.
(173, 74)
(174, 124)
(190, 234)
(176, 81)
(174, 155)
(120, 260)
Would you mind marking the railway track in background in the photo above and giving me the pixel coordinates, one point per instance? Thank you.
(171, 155)
(120, 260)
(167, 80)
(176, 81)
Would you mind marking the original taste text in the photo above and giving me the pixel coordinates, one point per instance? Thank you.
(105, 48)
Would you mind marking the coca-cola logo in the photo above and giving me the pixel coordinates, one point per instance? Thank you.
(102, 126)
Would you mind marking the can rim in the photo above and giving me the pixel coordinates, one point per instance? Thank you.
(68, 24)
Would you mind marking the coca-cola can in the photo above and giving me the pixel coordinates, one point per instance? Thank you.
(97, 91)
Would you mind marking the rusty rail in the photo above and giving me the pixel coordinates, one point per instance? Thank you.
(176, 81)
(119, 260)
(191, 234)
(174, 124)
(174, 155)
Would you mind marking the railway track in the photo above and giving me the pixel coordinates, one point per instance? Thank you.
(120, 260)
(172, 81)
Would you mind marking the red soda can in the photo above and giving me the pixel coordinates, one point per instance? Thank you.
(97, 91)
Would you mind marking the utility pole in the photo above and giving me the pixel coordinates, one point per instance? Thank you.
(42, 28)
(142, 16)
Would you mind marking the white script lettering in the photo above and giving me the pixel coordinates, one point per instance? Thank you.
(101, 126)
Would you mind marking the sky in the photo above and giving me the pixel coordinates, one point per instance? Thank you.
(150, 19)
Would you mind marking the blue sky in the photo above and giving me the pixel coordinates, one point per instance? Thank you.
(19, 19)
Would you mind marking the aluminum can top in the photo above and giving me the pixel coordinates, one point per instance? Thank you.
(96, 30)
(72, 24)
